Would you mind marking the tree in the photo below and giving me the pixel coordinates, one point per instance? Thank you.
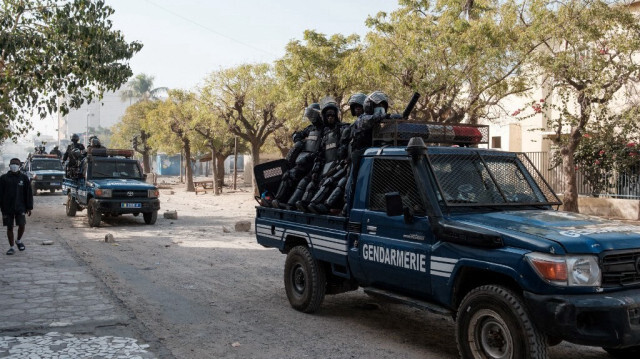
(461, 56)
(51, 50)
(219, 140)
(590, 56)
(141, 88)
(170, 126)
(133, 131)
(314, 68)
(245, 97)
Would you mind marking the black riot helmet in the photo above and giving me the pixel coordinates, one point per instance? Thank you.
(312, 113)
(327, 106)
(376, 99)
(95, 142)
(75, 138)
(357, 99)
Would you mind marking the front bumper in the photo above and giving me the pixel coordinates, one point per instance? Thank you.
(114, 205)
(604, 319)
(55, 184)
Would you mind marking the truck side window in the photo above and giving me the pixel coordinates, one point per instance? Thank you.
(394, 175)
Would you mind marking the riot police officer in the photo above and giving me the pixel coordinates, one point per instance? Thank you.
(73, 154)
(300, 158)
(328, 162)
(56, 151)
(73, 145)
(331, 193)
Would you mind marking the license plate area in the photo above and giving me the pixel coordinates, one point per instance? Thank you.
(130, 205)
(54, 183)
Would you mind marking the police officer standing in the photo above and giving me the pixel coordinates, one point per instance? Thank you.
(17, 200)
(56, 151)
(72, 146)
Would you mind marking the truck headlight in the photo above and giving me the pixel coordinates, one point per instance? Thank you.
(153, 193)
(569, 271)
(103, 192)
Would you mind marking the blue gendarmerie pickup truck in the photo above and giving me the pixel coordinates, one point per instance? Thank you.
(109, 182)
(44, 171)
(470, 233)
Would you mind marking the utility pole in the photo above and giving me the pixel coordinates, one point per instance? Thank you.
(235, 162)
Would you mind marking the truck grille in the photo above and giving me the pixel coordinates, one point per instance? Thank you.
(125, 194)
(621, 268)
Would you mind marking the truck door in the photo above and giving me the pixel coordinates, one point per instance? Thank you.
(394, 254)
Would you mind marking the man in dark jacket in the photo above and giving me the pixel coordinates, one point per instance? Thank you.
(17, 200)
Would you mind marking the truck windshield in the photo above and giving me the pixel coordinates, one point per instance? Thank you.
(476, 178)
(38, 165)
(115, 169)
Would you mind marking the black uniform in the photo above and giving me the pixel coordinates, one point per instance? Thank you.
(16, 196)
(56, 151)
(71, 147)
(329, 162)
(300, 158)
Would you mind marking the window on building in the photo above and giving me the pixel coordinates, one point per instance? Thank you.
(496, 142)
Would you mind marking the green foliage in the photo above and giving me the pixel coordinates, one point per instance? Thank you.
(133, 122)
(141, 88)
(53, 49)
(463, 57)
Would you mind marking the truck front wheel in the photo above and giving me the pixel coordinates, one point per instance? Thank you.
(93, 214)
(72, 207)
(492, 323)
(150, 217)
(304, 280)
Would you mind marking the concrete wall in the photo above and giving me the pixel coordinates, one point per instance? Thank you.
(609, 207)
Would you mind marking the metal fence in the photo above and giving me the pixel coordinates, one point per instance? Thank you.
(620, 185)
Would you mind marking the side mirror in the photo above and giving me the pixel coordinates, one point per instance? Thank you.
(394, 204)
(396, 208)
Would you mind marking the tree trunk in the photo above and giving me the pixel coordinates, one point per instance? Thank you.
(220, 169)
(255, 159)
(146, 163)
(570, 199)
(188, 169)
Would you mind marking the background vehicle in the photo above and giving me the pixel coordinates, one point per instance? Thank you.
(44, 171)
(110, 183)
(469, 233)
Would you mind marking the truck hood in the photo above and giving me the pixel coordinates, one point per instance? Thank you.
(111, 183)
(542, 229)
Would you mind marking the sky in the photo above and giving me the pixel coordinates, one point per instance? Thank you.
(186, 40)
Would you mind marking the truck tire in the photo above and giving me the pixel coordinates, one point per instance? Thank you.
(492, 323)
(304, 280)
(624, 353)
(93, 214)
(150, 217)
(72, 207)
(51, 190)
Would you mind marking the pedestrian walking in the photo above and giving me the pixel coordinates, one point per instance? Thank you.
(17, 201)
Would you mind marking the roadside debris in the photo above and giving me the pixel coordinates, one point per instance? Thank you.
(171, 214)
(109, 238)
(243, 226)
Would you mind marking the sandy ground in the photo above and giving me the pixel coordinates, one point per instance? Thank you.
(207, 293)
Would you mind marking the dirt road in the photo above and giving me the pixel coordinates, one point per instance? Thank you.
(210, 294)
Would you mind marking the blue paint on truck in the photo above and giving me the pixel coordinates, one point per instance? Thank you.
(478, 238)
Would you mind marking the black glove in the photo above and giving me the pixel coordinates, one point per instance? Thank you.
(395, 116)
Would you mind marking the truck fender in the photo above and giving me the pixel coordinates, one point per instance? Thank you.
(469, 274)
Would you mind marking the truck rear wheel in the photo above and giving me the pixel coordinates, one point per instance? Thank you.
(304, 280)
(93, 214)
(150, 217)
(72, 207)
(624, 353)
(492, 323)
